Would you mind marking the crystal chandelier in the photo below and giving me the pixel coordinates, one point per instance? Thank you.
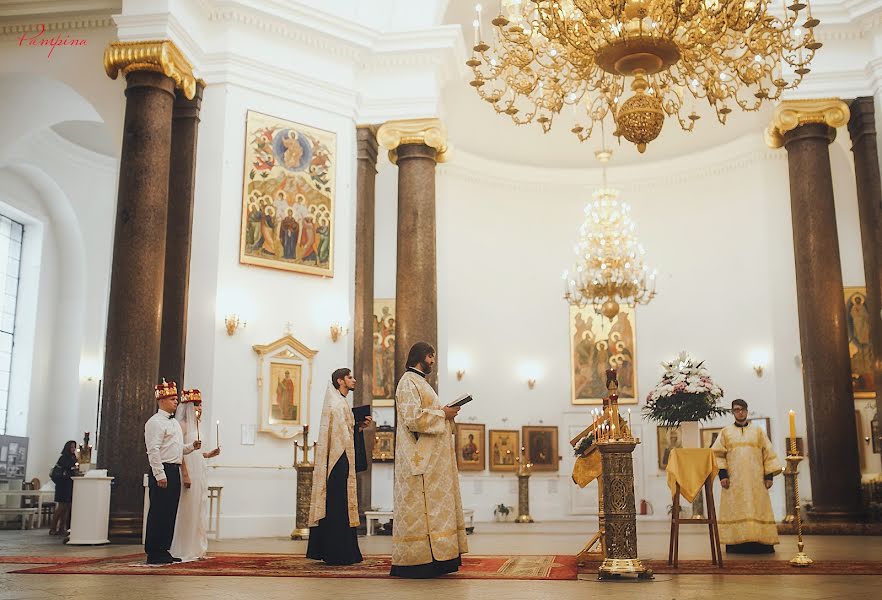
(549, 54)
(609, 265)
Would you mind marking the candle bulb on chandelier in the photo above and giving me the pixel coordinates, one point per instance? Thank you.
(475, 24)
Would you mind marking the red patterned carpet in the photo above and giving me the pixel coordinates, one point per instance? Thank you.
(757, 567)
(39, 560)
(542, 567)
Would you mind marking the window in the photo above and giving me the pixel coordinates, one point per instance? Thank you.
(10, 267)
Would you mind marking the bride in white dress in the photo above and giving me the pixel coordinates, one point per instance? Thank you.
(191, 538)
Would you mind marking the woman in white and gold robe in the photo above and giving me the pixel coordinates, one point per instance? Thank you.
(333, 511)
(745, 457)
(428, 532)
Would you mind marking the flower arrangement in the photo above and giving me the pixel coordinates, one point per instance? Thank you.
(583, 445)
(501, 512)
(686, 392)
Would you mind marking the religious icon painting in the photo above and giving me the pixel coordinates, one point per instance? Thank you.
(709, 436)
(384, 444)
(383, 384)
(540, 447)
(598, 344)
(288, 196)
(668, 438)
(860, 351)
(284, 379)
(470, 447)
(503, 446)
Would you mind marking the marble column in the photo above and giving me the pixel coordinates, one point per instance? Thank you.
(362, 364)
(862, 127)
(181, 184)
(806, 128)
(152, 70)
(415, 146)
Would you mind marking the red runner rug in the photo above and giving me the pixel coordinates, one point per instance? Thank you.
(41, 560)
(541, 567)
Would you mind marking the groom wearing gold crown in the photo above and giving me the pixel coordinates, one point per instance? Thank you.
(165, 451)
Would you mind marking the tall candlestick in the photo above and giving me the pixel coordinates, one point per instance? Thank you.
(792, 432)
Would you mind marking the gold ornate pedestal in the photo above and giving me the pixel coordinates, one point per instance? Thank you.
(801, 559)
(304, 488)
(620, 512)
(524, 469)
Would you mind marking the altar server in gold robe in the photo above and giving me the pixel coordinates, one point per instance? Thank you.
(747, 465)
(339, 453)
(428, 532)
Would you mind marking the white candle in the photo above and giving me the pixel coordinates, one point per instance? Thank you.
(217, 434)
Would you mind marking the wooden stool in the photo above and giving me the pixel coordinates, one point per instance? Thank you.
(710, 521)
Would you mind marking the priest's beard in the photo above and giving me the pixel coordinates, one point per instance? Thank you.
(741, 422)
(425, 368)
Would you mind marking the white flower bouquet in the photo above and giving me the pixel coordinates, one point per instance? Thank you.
(686, 392)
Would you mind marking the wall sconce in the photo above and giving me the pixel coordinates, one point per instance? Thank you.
(459, 374)
(531, 383)
(337, 330)
(759, 359)
(232, 322)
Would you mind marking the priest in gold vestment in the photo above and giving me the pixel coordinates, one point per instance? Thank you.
(747, 465)
(428, 532)
(339, 453)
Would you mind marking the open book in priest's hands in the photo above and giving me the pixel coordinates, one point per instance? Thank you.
(464, 399)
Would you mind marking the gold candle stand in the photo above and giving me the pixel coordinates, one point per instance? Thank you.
(801, 559)
(616, 444)
(524, 469)
(305, 471)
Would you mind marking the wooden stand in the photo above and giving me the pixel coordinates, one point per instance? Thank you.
(710, 521)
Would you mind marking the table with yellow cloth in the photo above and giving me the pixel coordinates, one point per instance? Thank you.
(690, 467)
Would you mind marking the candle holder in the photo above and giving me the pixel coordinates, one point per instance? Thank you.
(524, 470)
(619, 508)
(305, 470)
(793, 459)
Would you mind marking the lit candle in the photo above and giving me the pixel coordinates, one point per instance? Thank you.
(630, 429)
(217, 434)
(792, 432)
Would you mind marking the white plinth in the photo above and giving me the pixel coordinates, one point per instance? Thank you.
(91, 511)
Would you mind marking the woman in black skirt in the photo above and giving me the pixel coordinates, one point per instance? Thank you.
(63, 480)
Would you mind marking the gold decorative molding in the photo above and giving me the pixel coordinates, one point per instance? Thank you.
(790, 114)
(430, 132)
(161, 56)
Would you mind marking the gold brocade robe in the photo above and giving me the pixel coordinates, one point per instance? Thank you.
(336, 437)
(745, 508)
(428, 506)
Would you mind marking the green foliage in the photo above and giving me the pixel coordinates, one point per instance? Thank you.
(670, 411)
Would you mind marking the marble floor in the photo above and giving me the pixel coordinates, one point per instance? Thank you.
(489, 538)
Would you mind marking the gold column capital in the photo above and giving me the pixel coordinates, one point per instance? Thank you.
(790, 114)
(161, 56)
(430, 132)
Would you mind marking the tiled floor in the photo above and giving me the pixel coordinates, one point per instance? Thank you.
(489, 538)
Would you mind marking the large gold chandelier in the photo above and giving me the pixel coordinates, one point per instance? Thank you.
(609, 266)
(549, 54)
